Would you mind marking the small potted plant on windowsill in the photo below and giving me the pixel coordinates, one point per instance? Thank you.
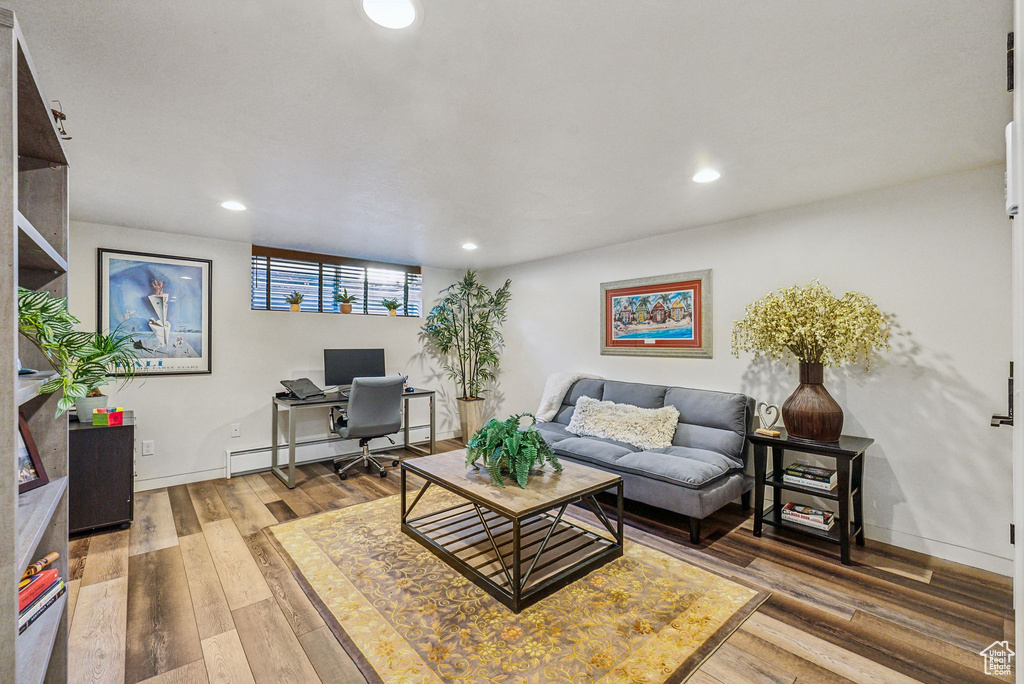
(294, 300)
(391, 305)
(346, 301)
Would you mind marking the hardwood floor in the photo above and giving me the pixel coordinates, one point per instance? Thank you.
(195, 593)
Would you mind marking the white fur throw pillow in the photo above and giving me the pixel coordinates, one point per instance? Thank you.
(644, 428)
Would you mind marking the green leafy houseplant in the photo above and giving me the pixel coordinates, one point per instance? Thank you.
(392, 305)
(346, 301)
(294, 299)
(464, 328)
(82, 359)
(504, 447)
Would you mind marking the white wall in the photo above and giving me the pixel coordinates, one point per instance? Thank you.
(934, 253)
(189, 417)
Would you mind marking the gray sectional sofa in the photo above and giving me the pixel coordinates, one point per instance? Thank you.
(702, 470)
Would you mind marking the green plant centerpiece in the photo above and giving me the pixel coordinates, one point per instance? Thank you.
(819, 329)
(464, 327)
(346, 301)
(82, 359)
(392, 305)
(504, 447)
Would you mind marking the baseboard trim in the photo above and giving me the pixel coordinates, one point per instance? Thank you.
(181, 478)
(313, 450)
(257, 459)
(941, 549)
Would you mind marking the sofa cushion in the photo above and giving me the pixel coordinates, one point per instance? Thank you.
(646, 428)
(599, 451)
(587, 387)
(553, 432)
(644, 396)
(716, 421)
(683, 466)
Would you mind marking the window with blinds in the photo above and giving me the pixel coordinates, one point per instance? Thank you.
(321, 278)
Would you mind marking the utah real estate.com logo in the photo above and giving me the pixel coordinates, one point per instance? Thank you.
(998, 659)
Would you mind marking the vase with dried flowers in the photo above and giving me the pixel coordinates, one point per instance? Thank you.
(819, 329)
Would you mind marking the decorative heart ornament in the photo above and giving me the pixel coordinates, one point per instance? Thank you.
(763, 411)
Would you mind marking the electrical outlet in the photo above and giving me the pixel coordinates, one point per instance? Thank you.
(147, 447)
(236, 430)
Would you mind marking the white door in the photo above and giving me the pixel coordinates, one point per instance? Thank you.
(1018, 345)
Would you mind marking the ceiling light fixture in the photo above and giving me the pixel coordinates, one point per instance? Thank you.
(392, 14)
(469, 246)
(233, 205)
(706, 176)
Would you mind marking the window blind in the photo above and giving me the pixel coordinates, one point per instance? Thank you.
(321, 278)
(341, 279)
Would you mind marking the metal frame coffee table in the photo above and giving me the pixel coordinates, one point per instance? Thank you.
(515, 544)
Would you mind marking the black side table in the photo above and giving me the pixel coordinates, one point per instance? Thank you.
(101, 474)
(848, 453)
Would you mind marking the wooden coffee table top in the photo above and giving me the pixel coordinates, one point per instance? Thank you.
(546, 488)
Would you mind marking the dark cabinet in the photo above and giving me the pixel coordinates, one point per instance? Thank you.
(100, 475)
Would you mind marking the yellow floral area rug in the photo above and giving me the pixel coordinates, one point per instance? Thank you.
(403, 615)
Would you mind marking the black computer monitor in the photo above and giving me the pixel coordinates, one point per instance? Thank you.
(341, 365)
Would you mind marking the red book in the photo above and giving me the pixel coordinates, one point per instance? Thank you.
(35, 590)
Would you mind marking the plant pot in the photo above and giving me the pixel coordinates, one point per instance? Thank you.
(471, 417)
(294, 307)
(85, 406)
(506, 472)
(811, 413)
(392, 312)
(346, 307)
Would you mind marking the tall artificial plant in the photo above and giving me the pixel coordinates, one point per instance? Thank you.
(464, 328)
(82, 359)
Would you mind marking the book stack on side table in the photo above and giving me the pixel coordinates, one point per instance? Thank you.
(38, 589)
(810, 517)
(844, 486)
(816, 477)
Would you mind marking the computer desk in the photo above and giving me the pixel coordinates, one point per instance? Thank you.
(293, 405)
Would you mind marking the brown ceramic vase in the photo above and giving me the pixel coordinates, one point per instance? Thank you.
(811, 413)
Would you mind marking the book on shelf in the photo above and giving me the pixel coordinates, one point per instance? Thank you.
(810, 475)
(812, 484)
(27, 610)
(36, 588)
(40, 606)
(805, 515)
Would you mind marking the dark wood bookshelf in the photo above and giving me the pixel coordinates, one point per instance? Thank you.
(848, 454)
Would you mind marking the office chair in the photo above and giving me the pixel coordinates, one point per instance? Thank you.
(374, 410)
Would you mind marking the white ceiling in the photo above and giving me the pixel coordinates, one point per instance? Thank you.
(532, 128)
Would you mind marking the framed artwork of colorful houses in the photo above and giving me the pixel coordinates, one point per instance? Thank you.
(668, 315)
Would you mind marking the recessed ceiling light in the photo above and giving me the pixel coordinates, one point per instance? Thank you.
(233, 205)
(706, 176)
(392, 14)
(469, 246)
